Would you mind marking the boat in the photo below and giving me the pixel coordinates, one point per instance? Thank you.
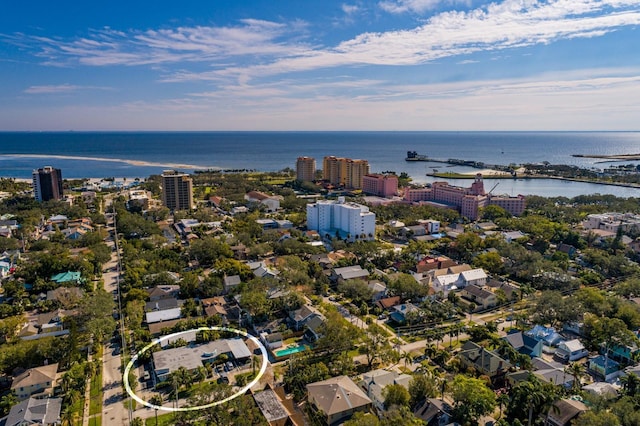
(414, 156)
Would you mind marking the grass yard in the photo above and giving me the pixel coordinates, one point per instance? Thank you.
(163, 420)
(95, 394)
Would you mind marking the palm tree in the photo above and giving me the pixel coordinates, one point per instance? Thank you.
(67, 416)
(407, 358)
(156, 400)
(503, 400)
(577, 370)
(630, 384)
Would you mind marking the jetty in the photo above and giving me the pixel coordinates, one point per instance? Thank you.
(618, 157)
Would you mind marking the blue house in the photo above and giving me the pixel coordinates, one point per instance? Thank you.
(524, 344)
(547, 335)
(596, 366)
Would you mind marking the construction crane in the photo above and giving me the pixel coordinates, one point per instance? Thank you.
(494, 187)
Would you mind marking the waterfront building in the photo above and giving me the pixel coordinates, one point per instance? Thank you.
(47, 184)
(350, 221)
(306, 169)
(382, 185)
(177, 190)
(344, 172)
(468, 201)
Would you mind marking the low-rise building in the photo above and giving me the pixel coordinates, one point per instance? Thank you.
(374, 382)
(35, 411)
(191, 357)
(38, 381)
(337, 399)
(571, 350)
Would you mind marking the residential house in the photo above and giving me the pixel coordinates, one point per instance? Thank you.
(435, 412)
(477, 277)
(484, 361)
(604, 368)
(564, 413)
(276, 408)
(300, 317)
(272, 340)
(162, 304)
(35, 411)
(429, 263)
(571, 350)
(163, 315)
(270, 202)
(379, 290)
(337, 399)
(374, 382)
(349, 273)
(547, 335)
(552, 372)
(216, 306)
(38, 381)
(313, 328)
(163, 292)
(483, 299)
(231, 282)
(388, 302)
(67, 277)
(65, 295)
(524, 344)
(399, 312)
(602, 389)
(191, 357)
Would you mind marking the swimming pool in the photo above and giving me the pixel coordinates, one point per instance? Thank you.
(290, 350)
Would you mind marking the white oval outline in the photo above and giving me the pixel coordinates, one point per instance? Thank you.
(242, 391)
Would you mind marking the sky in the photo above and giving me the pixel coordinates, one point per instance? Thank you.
(396, 65)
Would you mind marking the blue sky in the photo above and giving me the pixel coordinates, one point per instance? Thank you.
(320, 65)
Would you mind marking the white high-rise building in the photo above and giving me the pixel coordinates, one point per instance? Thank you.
(351, 221)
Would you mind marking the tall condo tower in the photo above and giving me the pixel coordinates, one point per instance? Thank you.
(47, 184)
(177, 190)
(306, 169)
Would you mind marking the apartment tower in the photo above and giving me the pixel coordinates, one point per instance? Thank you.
(47, 184)
(344, 171)
(177, 190)
(306, 169)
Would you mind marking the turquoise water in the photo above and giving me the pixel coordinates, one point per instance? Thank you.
(289, 351)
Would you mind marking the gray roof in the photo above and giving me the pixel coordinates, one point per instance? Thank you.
(350, 272)
(270, 405)
(35, 411)
(192, 357)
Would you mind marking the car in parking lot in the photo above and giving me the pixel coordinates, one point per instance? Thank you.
(228, 366)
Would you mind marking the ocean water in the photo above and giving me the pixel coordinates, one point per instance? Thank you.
(139, 154)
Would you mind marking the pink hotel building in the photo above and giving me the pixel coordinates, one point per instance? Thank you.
(380, 185)
(467, 200)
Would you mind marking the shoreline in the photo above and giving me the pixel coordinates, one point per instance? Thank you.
(538, 177)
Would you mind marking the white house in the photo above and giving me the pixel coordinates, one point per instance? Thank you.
(571, 350)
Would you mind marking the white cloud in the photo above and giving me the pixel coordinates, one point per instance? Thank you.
(403, 6)
(52, 89)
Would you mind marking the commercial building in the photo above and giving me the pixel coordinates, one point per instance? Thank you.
(344, 172)
(177, 190)
(468, 201)
(382, 185)
(349, 221)
(306, 169)
(47, 184)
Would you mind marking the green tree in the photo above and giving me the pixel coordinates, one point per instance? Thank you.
(598, 418)
(421, 386)
(375, 344)
(472, 399)
(395, 394)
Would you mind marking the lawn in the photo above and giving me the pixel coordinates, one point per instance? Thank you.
(95, 421)
(163, 420)
(95, 394)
